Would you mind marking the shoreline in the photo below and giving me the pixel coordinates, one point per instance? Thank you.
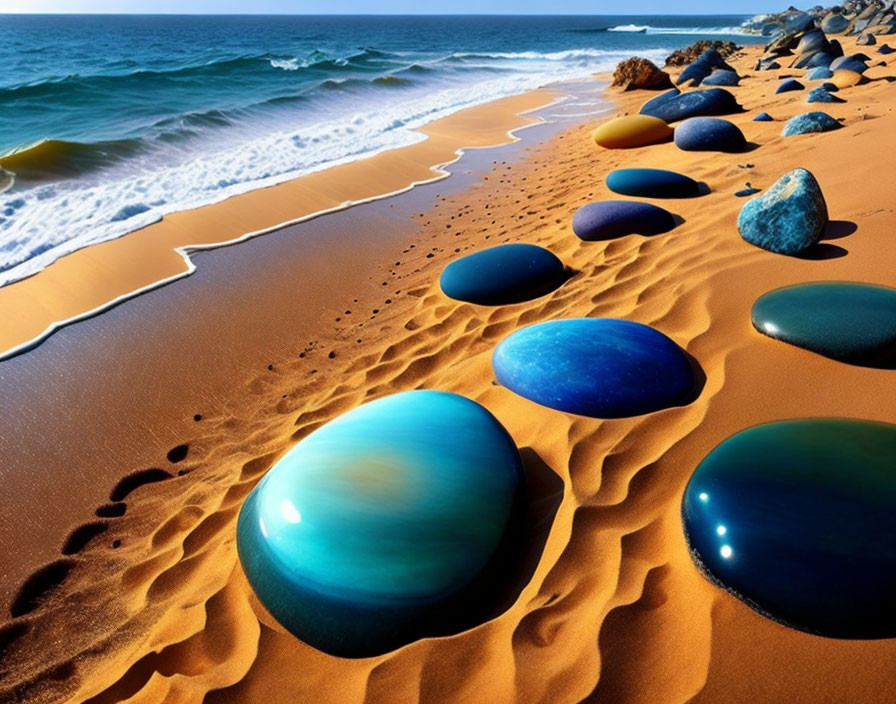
(36, 307)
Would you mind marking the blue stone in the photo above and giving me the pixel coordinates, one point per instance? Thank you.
(763, 117)
(798, 22)
(835, 24)
(850, 322)
(722, 77)
(820, 74)
(508, 273)
(795, 519)
(811, 42)
(747, 192)
(597, 367)
(373, 530)
(704, 134)
(850, 63)
(822, 95)
(788, 218)
(674, 106)
(702, 67)
(885, 49)
(607, 219)
(652, 183)
(809, 122)
(789, 85)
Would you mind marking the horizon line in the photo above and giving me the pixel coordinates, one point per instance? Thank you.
(360, 14)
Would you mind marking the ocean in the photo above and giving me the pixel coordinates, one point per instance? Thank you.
(108, 123)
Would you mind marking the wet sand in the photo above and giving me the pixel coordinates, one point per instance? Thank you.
(152, 605)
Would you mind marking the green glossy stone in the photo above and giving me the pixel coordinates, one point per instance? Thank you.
(850, 322)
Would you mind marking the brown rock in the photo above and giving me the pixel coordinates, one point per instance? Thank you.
(637, 73)
(683, 57)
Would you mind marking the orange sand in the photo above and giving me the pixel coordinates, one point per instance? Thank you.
(615, 611)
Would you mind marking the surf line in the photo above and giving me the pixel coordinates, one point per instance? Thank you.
(440, 171)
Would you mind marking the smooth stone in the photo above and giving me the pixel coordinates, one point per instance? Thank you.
(795, 519)
(767, 65)
(822, 95)
(701, 134)
(703, 67)
(866, 40)
(849, 63)
(830, 87)
(820, 59)
(811, 42)
(652, 183)
(788, 218)
(834, 24)
(819, 74)
(673, 107)
(885, 49)
(596, 367)
(747, 192)
(847, 79)
(607, 219)
(722, 77)
(789, 85)
(798, 22)
(383, 525)
(508, 273)
(850, 322)
(632, 131)
(809, 122)
(763, 117)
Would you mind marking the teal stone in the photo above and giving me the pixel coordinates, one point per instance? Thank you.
(823, 95)
(796, 519)
(390, 523)
(850, 322)
(652, 183)
(596, 367)
(809, 122)
(788, 218)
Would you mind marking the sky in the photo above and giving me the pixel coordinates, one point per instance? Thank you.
(553, 7)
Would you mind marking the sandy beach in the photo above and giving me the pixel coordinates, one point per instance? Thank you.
(124, 583)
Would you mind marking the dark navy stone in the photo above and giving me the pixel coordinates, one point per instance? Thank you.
(795, 519)
(809, 122)
(835, 23)
(385, 525)
(597, 367)
(885, 49)
(850, 322)
(820, 59)
(830, 87)
(798, 22)
(607, 219)
(811, 42)
(722, 77)
(702, 134)
(652, 183)
(767, 65)
(508, 273)
(820, 74)
(680, 106)
(823, 95)
(703, 67)
(763, 117)
(788, 85)
(850, 63)
(788, 218)
(747, 192)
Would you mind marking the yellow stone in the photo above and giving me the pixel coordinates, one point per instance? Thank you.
(632, 131)
(844, 78)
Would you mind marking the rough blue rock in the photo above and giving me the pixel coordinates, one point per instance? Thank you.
(820, 74)
(652, 183)
(597, 367)
(849, 63)
(508, 273)
(788, 85)
(373, 530)
(788, 218)
(850, 322)
(795, 518)
(701, 134)
(834, 24)
(722, 77)
(763, 117)
(809, 122)
(607, 219)
(674, 106)
(823, 95)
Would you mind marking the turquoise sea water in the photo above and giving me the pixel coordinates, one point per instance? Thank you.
(110, 122)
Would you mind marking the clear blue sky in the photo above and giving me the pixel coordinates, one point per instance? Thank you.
(646, 7)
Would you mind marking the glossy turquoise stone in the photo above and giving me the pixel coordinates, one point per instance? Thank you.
(652, 183)
(384, 525)
(796, 519)
(597, 367)
(851, 322)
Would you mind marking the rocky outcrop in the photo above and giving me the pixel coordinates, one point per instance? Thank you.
(688, 55)
(637, 73)
(854, 17)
